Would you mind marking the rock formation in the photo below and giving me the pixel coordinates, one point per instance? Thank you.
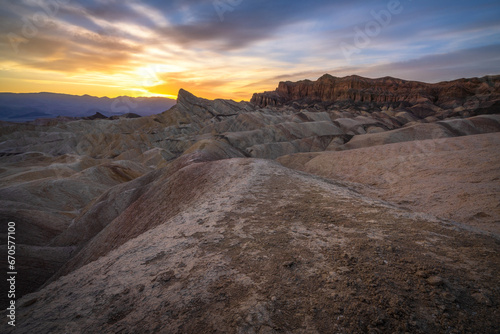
(463, 96)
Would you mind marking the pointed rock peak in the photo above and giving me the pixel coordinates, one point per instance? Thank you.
(187, 99)
(184, 94)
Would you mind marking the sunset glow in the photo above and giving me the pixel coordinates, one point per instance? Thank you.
(154, 48)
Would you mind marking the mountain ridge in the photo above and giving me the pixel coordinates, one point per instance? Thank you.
(385, 91)
(22, 107)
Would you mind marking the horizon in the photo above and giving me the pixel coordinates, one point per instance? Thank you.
(84, 95)
(232, 49)
(176, 96)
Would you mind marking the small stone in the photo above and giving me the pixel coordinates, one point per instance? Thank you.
(343, 270)
(166, 277)
(481, 298)
(421, 273)
(435, 280)
(29, 302)
(448, 297)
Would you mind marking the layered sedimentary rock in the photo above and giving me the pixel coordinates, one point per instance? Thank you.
(422, 98)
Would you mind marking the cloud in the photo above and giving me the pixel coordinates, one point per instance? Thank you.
(245, 24)
(173, 82)
(258, 43)
(152, 14)
(471, 62)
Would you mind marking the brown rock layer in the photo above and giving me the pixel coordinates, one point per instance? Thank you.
(469, 93)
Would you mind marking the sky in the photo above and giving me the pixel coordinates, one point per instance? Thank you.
(234, 48)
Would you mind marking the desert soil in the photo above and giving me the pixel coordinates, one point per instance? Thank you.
(453, 178)
(272, 250)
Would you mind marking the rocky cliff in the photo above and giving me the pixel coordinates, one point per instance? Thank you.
(462, 94)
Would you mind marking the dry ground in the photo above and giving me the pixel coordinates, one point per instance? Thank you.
(265, 249)
(453, 178)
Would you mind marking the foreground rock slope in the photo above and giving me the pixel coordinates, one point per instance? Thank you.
(453, 178)
(172, 223)
(262, 248)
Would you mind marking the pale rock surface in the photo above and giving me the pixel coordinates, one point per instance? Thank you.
(453, 178)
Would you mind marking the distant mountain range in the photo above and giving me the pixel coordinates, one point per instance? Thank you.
(27, 107)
